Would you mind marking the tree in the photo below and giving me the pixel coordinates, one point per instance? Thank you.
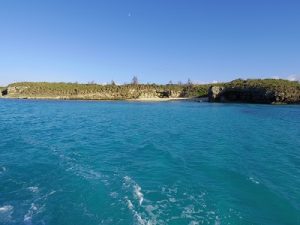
(189, 82)
(135, 80)
(112, 83)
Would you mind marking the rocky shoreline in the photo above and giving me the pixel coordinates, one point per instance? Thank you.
(268, 91)
(249, 91)
(70, 91)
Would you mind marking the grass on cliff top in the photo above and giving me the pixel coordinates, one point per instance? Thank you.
(176, 87)
(264, 83)
(120, 91)
(134, 90)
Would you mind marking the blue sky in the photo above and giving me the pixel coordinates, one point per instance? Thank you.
(156, 40)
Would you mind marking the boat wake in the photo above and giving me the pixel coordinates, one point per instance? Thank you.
(6, 212)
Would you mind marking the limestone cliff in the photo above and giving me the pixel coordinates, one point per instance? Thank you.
(256, 91)
(102, 92)
(249, 91)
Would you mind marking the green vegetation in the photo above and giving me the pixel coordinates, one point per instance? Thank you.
(109, 91)
(257, 91)
(269, 84)
(252, 90)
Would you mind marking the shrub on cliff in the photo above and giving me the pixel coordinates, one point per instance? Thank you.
(109, 91)
(261, 91)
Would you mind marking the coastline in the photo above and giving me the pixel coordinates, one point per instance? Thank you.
(262, 91)
(202, 99)
(159, 99)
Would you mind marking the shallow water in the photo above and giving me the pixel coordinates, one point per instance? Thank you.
(73, 163)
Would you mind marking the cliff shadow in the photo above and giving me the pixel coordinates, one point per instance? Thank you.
(4, 92)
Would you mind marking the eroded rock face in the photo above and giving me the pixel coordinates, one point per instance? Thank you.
(15, 90)
(250, 95)
(160, 94)
(214, 93)
(3, 92)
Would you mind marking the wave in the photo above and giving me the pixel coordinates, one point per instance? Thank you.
(30, 213)
(6, 208)
(140, 214)
(137, 190)
(38, 204)
(138, 193)
(2, 169)
(33, 189)
(253, 180)
(189, 207)
(6, 212)
(137, 215)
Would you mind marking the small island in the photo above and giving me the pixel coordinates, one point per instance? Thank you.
(266, 91)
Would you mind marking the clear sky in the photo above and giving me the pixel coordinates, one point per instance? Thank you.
(156, 40)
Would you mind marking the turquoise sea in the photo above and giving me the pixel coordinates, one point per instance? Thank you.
(88, 162)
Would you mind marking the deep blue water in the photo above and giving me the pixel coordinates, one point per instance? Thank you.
(75, 163)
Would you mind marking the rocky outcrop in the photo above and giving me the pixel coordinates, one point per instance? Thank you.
(3, 92)
(214, 93)
(13, 90)
(44, 90)
(253, 95)
(252, 91)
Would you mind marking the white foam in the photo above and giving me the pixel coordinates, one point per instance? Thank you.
(136, 215)
(127, 178)
(136, 189)
(172, 200)
(2, 169)
(192, 207)
(6, 212)
(51, 193)
(94, 174)
(138, 193)
(217, 221)
(193, 223)
(114, 194)
(150, 209)
(127, 181)
(45, 197)
(169, 190)
(253, 180)
(129, 204)
(33, 189)
(136, 207)
(30, 213)
(143, 212)
(6, 208)
(188, 211)
(78, 169)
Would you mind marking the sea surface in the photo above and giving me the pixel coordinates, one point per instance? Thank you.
(88, 162)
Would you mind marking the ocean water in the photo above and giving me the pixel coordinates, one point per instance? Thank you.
(86, 163)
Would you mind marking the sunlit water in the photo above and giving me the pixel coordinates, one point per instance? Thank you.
(86, 163)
